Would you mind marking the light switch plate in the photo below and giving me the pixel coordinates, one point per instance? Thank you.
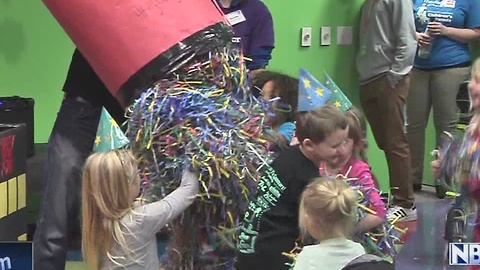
(325, 36)
(306, 36)
(344, 35)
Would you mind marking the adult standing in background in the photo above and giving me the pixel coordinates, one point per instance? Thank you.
(385, 58)
(253, 27)
(441, 65)
(70, 143)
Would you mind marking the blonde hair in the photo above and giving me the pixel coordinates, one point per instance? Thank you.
(327, 209)
(357, 131)
(107, 177)
(357, 128)
(475, 74)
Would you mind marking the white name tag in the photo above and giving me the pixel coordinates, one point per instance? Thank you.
(235, 17)
(448, 4)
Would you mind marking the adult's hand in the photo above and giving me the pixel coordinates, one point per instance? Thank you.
(437, 29)
(423, 39)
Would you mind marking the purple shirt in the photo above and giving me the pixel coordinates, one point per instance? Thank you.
(256, 30)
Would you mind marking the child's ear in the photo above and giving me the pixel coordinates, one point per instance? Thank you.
(307, 143)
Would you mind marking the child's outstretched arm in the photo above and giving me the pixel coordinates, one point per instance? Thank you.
(160, 213)
(365, 180)
(368, 222)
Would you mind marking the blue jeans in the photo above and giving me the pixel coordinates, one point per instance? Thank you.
(69, 145)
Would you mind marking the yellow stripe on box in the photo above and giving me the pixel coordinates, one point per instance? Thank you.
(3, 199)
(22, 191)
(22, 237)
(12, 195)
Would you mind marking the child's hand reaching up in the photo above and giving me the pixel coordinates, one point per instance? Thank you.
(158, 214)
(190, 178)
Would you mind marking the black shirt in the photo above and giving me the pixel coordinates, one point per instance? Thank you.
(82, 81)
(270, 225)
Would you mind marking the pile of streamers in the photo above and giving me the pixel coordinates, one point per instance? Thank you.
(460, 159)
(203, 116)
(380, 241)
(468, 163)
(448, 154)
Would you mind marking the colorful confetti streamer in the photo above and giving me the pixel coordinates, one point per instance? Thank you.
(203, 116)
(460, 160)
(380, 241)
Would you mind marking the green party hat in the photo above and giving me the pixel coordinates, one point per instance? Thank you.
(109, 135)
(338, 98)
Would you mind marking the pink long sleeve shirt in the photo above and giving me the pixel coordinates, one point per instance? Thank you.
(361, 171)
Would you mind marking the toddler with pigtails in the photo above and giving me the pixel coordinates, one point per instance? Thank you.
(351, 163)
(373, 228)
(116, 234)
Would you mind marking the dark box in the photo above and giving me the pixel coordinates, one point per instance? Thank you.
(17, 110)
(13, 182)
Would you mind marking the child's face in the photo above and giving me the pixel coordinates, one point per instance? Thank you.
(331, 148)
(344, 155)
(268, 91)
(474, 89)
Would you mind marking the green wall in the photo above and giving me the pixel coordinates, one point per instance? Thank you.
(34, 56)
(35, 53)
(337, 60)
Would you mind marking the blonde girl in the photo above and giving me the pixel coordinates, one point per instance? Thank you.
(115, 233)
(328, 213)
(467, 167)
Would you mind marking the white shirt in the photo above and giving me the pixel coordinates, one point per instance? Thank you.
(331, 254)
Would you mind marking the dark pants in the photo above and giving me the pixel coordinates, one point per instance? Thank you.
(384, 108)
(268, 255)
(70, 143)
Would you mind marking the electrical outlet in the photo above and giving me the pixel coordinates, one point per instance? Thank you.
(325, 36)
(306, 36)
(344, 35)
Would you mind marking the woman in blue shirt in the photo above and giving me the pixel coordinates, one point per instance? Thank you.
(444, 30)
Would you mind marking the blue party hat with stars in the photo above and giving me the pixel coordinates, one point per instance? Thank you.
(311, 93)
(109, 135)
(338, 98)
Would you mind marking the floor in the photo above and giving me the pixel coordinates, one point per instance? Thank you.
(423, 248)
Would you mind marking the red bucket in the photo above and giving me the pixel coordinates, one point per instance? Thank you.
(119, 37)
